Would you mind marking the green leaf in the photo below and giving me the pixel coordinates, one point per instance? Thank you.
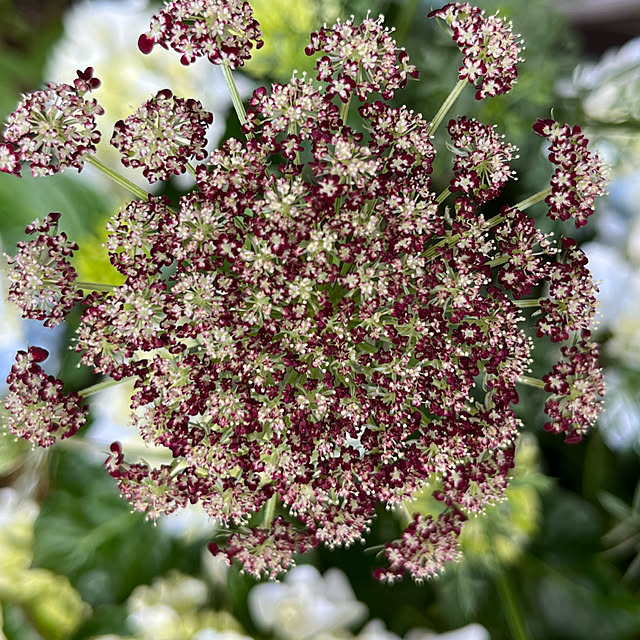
(85, 530)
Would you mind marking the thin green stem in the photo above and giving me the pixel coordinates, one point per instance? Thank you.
(446, 105)
(524, 304)
(511, 610)
(443, 196)
(270, 511)
(235, 96)
(119, 179)
(531, 200)
(344, 110)
(95, 286)
(191, 169)
(532, 382)
(100, 386)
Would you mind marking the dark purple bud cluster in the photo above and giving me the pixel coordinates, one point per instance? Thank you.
(53, 128)
(491, 50)
(163, 135)
(223, 31)
(579, 177)
(41, 278)
(38, 410)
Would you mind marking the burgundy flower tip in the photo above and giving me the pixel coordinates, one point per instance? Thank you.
(10, 159)
(145, 43)
(164, 94)
(87, 74)
(54, 216)
(214, 549)
(116, 447)
(38, 354)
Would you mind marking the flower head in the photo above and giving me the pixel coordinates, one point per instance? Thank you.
(224, 31)
(491, 50)
(42, 280)
(308, 329)
(481, 166)
(580, 174)
(572, 303)
(162, 135)
(38, 409)
(360, 59)
(426, 545)
(576, 385)
(53, 128)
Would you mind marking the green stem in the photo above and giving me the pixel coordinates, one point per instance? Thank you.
(191, 169)
(531, 200)
(119, 179)
(443, 196)
(235, 95)
(95, 286)
(512, 613)
(446, 105)
(344, 110)
(270, 511)
(105, 384)
(524, 304)
(532, 382)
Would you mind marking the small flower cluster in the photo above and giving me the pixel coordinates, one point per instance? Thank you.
(38, 409)
(572, 303)
(309, 333)
(224, 31)
(518, 240)
(576, 384)
(53, 128)
(481, 167)
(579, 177)
(162, 135)
(42, 280)
(360, 58)
(491, 51)
(425, 547)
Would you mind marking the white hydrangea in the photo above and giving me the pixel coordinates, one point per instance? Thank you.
(306, 604)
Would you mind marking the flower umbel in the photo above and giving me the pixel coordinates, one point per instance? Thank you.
(577, 386)
(312, 331)
(53, 128)
(162, 135)
(41, 279)
(491, 50)
(38, 409)
(579, 177)
(224, 31)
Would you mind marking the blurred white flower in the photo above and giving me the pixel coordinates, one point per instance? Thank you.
(213, 634)
(14, 505)
(104, 34)
(156, 622)
(306, 604)
(610, 87)
(620, 423)
(375, 630)
(470, 632)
